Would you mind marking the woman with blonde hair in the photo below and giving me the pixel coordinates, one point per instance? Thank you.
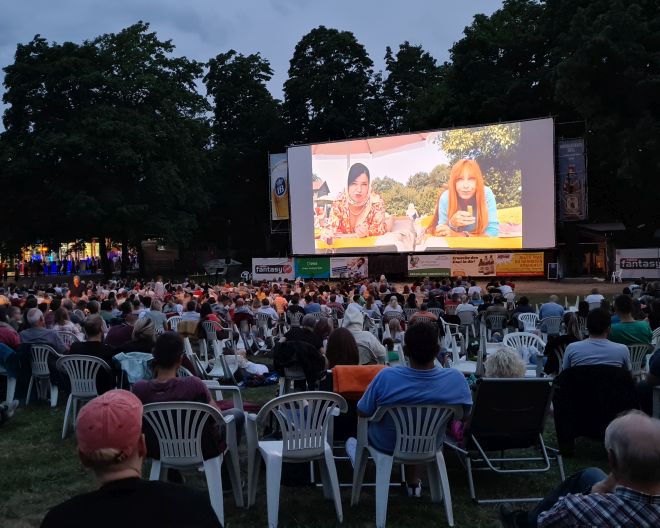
(505, 363)
(393, 306)
(467, 207)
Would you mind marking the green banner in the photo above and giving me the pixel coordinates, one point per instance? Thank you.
(315, 267)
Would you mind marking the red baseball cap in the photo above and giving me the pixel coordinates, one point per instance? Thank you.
(111, 421)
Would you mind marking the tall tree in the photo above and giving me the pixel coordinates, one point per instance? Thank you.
(413, 82)
(332, 92)
(111, 132)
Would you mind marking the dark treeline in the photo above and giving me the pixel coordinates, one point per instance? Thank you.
(111, 137)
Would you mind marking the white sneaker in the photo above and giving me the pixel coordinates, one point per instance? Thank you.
(351, 448)
(415, 491)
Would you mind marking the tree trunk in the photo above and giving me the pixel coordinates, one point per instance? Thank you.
(124, 256)
(105, 263)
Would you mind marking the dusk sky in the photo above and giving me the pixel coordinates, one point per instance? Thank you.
(200, 29)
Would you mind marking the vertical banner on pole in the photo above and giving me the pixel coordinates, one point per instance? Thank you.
(279, 187)
(572, 180)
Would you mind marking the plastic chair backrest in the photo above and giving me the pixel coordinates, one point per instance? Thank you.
(39, 359)
(178, 427)
(263, 320)
(655, 339)
(509, 412)
(466, 317)
(303, 418)
(418, 428)
(210, 329)
(68, 338)
(560, 350)
(450, 309)
(582, 324)
(637, 354)
(422, 319)
(495, 321)
(294, 318)
(174, 322)
(594, 305)
(409, 312)
(393, 315)
(552, 325)
(82, 372)
(183, 372)
(436, 311)
(518, 340)
(529, 321)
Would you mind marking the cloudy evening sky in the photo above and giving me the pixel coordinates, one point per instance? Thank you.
(201, 29)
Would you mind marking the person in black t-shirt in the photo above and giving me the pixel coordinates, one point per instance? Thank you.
(77, 289)
(111, 443)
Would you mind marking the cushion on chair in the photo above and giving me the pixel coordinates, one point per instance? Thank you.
(352, 380)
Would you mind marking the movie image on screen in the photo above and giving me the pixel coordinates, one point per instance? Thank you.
(468, 188)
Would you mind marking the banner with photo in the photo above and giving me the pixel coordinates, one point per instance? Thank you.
(272, 269)
(572, 172)
(314, 267)
(429, 265)
(477, 265)
(349, 267)
(279, 186)
(638, 263)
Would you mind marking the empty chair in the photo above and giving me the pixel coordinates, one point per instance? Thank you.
(39, 363)
(303, 419)
(617, 276)
(179, 427)
(264, 328)
(82, 371)
(294, 318)
(529, 321)
(419, 440)
(521, 340)
(467, 319)
(409, 312)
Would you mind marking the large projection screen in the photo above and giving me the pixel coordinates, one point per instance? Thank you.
(486, 187)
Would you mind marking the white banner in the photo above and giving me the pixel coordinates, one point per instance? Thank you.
(349, 267)
(638, 263)
(272, 269)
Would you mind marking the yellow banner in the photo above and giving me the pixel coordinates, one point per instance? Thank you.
(521, 264)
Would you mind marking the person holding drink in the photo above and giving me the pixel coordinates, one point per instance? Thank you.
(467, 207)
(357, 211)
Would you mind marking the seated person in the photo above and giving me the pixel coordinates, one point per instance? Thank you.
(190, 314)
(371, 351)
(342, 348)
(422, 312)
(628, 496)
(111, 444)
(421, 383)
(94, 346)
(551, 309)
(629, 331)
(573, 334)
(522, 306)
(597, 349)
(166, 386)
(142, 337)
(505, 363)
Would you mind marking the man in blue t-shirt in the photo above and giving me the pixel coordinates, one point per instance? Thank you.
(421, 383)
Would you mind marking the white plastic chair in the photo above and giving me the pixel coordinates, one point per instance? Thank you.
(552, 326)
(294, 318)
(617, 276)
(178, 427)
(68, 338)
(11, 384)
(594, 305)
(417, 430)
(264, 330)
(495, 322)
(528, 320)
(173, 322)
(303, 419)
(467, 319)
(637, 354)
(39, 355)
(410, 312)
(655, 339)
(526, 340)
(225, 366)
(82, 371)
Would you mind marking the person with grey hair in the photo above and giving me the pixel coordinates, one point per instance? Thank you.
(628, 496)
(37, 333)
(505, 363)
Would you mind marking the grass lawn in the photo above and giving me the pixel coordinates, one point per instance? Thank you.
(40, 470)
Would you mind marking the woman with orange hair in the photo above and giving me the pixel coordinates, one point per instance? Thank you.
(467, 207)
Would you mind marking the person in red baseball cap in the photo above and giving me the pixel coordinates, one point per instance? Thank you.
(111, 444)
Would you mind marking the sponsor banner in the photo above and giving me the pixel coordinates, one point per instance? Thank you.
(572, 173)
(279, 186)
(349, 267)
(315, 267)
(429, 265)
(521, 264)
(272, 268)
(637, 263)
(477, 265)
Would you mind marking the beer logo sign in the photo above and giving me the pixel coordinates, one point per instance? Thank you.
(280, 186)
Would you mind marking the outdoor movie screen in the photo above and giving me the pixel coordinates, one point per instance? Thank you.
(485, 187)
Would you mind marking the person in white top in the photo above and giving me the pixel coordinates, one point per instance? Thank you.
(459, 289)
(594, 297)
(505, 289)
(393, 306)
(465, 305)
(474, 289)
